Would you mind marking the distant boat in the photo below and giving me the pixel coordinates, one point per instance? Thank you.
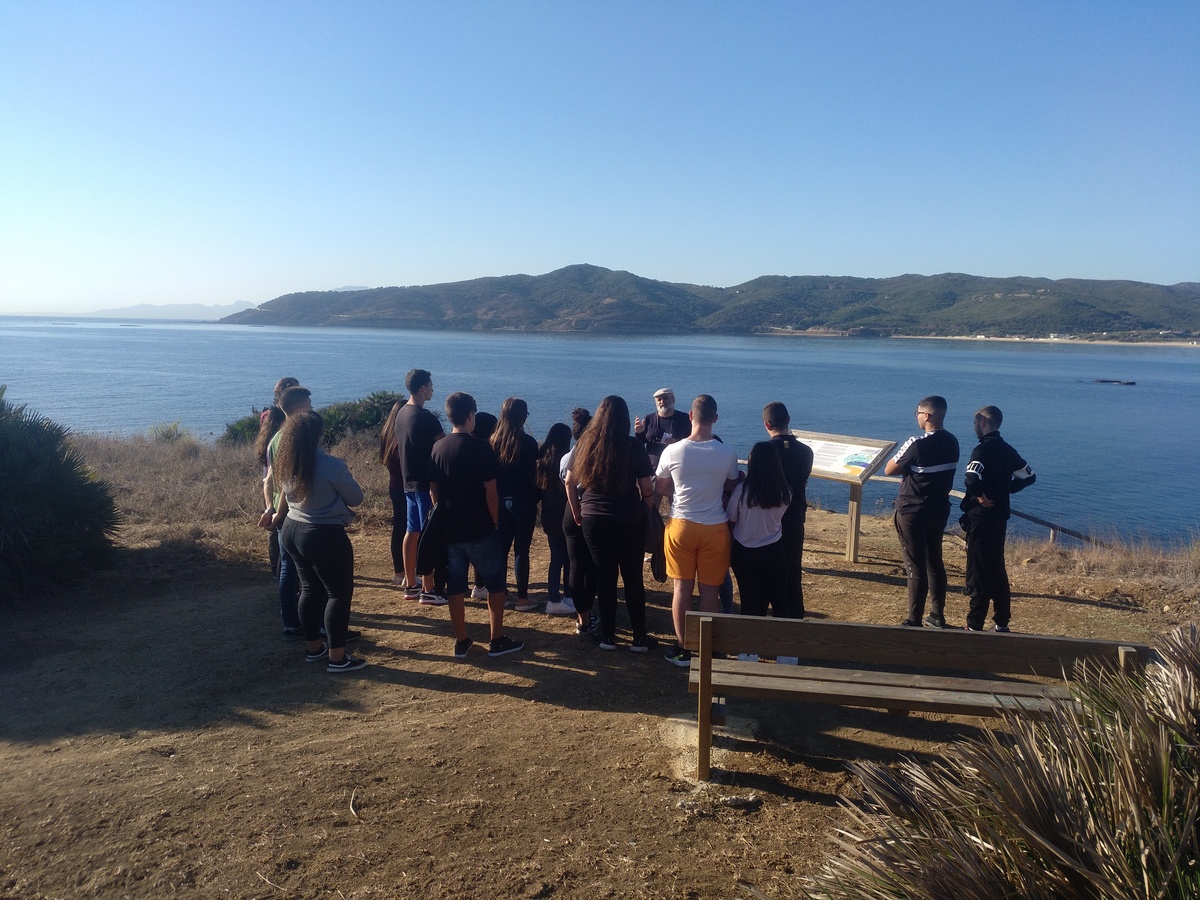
(1110, 381)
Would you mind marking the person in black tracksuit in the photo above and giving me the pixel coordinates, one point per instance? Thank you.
(996, 470)
(926, 462)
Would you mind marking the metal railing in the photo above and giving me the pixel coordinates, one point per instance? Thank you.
(1055, 529)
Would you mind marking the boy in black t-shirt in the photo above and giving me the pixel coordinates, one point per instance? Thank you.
(462, 484)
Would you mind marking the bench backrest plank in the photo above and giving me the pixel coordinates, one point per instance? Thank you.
(885, 645)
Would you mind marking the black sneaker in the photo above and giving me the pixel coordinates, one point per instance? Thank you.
(347, 663)
(291, 635)
(608, 643)
(461, 648)
(316, 655)
(679, 657)
(505, 645)
(908, 624)
(587, 630)
(1002, 629)
(643, 644)
(935, 621)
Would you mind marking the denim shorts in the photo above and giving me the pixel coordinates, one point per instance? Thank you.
(417, 505)
(486, 555)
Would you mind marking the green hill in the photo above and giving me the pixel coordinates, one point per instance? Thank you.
(595, 299)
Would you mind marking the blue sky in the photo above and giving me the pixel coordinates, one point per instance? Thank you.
(208, 152)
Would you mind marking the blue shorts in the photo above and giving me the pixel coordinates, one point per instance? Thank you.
(417, 505)
(486, 555)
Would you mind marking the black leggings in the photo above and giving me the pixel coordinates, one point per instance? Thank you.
(618, 544)
(324, 559)
(583, 570)
(762, 578)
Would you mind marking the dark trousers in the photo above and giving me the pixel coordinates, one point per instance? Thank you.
(558, 576)
(399, 526)
(324, 559)
(921, 547)
(618, 545)
(761, 574)
(987, 577)
(583, 570)
(517, 518)
(793, 551)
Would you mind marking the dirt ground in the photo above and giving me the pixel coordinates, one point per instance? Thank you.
(160, 740)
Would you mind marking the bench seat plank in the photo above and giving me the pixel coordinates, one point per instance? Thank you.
(723, 669)
(881, 696)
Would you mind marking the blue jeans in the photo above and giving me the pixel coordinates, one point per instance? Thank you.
(288, 585)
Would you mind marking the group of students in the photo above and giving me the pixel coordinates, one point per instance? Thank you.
(471, 498)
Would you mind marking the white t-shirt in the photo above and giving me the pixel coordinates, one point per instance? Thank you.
(699, 470)
(753, 525)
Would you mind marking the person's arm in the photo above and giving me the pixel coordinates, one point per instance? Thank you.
(664, 486)
(646, 489)
(267, 518)
(343, 482)
(973, 483)
(493, 500)
(1022, 477)
(898, 464)
(573, 498)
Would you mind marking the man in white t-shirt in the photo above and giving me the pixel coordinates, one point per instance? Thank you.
(697, 473)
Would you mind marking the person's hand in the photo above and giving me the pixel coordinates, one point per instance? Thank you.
(668, 438)
(266, 519)
(639, 425)
(984, 501)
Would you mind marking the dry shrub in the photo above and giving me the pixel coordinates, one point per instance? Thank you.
(1099, 801)
(180, 492)
(1170, 565)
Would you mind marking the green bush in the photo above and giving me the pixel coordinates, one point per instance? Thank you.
(56, 518)
(243, 430)
(341, 419)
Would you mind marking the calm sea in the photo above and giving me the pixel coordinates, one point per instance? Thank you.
(1111, 459)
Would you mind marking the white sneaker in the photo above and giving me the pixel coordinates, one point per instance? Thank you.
(563, 607)
(478, 593)
(428, 599)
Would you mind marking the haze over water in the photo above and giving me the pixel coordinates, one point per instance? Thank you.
(1112, 459)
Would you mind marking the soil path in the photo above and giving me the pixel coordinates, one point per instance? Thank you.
(157, 739)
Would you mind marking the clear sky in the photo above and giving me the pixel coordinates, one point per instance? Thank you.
(199, 151)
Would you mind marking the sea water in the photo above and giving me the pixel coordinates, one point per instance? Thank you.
(1113, 459)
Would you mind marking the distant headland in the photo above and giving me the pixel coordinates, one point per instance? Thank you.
(585, 298)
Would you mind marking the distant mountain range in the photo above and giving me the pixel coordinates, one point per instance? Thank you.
(594, 299)
(177, 311)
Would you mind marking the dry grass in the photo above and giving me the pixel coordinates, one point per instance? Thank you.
(205, 499)
(1099, 802)
(1115, 559)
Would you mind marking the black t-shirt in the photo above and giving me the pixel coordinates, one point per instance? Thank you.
(519, 478)
(416, 430)
(927, 461)
(626, 503)
(459, 467)
(797, 459)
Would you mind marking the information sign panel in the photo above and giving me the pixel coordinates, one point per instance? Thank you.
(838, 457)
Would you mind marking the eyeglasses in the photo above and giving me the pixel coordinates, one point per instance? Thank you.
(921, 412)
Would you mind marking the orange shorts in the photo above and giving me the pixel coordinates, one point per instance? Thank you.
(698, 552)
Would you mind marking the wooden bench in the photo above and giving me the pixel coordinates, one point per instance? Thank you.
(886, 667)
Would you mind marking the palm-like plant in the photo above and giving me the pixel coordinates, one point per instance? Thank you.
(1098, 801)
(56, 517)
